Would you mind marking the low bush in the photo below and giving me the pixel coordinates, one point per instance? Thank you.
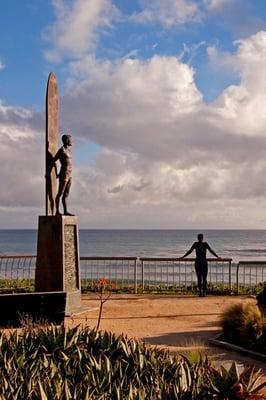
(261, 301)
(243, 324)
(16, 285)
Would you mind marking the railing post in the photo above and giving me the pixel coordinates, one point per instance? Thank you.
(135, 277)
(230, 275)
(237, 279)
(142, 274)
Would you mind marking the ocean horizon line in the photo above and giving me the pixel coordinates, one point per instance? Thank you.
(147, 229)
(233, 243)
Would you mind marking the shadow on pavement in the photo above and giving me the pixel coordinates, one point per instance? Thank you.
(181, 339)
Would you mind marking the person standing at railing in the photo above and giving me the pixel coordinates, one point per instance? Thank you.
(201, 264)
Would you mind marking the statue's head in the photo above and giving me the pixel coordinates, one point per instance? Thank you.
(67, 140)
(200, 237)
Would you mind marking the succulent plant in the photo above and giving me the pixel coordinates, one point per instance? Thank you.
(59, 364)
(230, 384)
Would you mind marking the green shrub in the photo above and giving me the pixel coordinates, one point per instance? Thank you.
(262, 341)
(261, 301)
(243, 324)
(60, 364)
(16, 285)
(56, 363)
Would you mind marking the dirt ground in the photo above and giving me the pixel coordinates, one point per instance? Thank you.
(168, 321)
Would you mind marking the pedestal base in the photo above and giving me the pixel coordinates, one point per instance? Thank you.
(57, 265)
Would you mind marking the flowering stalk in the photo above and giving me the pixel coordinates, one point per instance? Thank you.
(101, 285)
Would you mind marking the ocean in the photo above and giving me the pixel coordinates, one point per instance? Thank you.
(239, 245)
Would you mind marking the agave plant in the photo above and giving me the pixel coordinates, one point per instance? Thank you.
(230, 384)
(59, 364)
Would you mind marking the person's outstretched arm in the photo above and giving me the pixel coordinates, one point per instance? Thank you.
(212, 251)
(189, 251)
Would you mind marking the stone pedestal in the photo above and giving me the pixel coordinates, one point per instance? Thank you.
(57, 265)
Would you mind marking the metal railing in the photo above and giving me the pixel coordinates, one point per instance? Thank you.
(121, 271)
(180, 272)
(17, 272)
(250, 274)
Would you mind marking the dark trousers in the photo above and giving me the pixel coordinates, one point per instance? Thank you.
(201, 268)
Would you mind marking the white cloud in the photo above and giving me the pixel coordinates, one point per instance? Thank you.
(221, 59)
(166, 159)
(130, 92)
(2, 65)
(243, 106)
(77, 25)
(168, 13)
(21, 149)
(236, 15)
(125, 191)
(251, 57)
(217, 5)
(164, 146)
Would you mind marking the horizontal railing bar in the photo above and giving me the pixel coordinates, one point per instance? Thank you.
(252, 262)
(108, 258)
(182, 259)
(81, 258)
(17, 256)
(135, 258)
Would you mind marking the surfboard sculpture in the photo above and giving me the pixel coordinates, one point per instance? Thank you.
(57, 262)
(52, 124)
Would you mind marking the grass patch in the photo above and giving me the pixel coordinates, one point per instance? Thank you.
(28, 286)
(16, 286)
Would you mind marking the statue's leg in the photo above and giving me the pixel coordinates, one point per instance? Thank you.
(57, 200)
(49, 193)
(64, 202)
(65, 197)
(62, 185)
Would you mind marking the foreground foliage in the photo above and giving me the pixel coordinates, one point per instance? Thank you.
(261, 300)
(244, 324)
(57, 363)
(231, 384)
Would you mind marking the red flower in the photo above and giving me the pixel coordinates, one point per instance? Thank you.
(103, 282)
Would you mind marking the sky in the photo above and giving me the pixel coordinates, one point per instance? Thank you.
(165, 100)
